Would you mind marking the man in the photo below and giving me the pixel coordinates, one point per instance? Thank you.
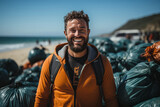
(75, 83)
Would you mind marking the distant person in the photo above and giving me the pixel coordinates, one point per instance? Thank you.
(150, 38)
(75, 84)
(37, 42)
(156, 36)
(43, 48)
(142, 37)
(49, 41)
(128, 36)
(146, 38)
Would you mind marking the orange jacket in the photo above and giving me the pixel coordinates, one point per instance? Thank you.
(87, 93)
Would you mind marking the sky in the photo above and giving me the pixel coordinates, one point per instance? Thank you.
(45, 17)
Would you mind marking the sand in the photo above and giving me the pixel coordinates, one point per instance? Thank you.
(20, 56)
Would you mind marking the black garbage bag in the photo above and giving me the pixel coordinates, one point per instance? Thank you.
(124, 43)
(35, 55)
(120, 67)
(154, 102)
(121, 57)
(107, 47)
(112, 59)
(133, 56)
(97, 41)
(119, 48)
(13, 77)
(91, 41)
(120, 54)
(36, 69)
(10, 65)
(30, 75)
(34, 77)
(20, 94)
(118, 77)
(139, 84)
(134, 43)
(100, 40)
(4, 77)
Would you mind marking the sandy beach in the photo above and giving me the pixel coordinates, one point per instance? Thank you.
(20, 56)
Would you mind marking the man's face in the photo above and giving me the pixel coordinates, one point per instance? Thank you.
(77, 34)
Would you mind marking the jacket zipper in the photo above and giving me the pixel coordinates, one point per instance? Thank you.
(77, 86)
(74, 98)
(70, 81)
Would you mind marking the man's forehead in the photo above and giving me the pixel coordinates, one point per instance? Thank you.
(78, 21)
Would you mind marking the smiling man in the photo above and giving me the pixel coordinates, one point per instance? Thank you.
(75, 83)
(77, 36)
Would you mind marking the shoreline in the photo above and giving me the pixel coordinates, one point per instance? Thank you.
(13, 43)
(20, 56)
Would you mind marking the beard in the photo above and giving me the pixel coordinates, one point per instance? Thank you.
(80, 48)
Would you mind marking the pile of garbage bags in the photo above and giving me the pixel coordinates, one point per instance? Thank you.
(139, 84)
(18, 84)
(136, 68)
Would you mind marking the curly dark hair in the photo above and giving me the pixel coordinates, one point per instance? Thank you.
(76, 15)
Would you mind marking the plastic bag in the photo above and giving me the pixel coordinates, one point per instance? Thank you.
(10, 65)
(35, 55)
(21, 94)
(154, 102)
(105, 48)
(133, 56)
(30, 75)
(124, 43)
(118, 78)
(112, 59)
(134, 43)
(139, 84)
(4, 77)
(98, 41)
(120, 67)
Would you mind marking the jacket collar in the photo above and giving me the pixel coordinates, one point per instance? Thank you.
(61, 49)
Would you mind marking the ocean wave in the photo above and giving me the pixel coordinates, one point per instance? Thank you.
(13, 46)
(5, 47)
(8, 47)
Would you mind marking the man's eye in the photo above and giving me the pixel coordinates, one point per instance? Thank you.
(82, 31)
(72, 30)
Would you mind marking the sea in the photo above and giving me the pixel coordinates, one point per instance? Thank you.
(15, 42)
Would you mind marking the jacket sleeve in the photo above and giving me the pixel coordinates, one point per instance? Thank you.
(108, 85)
(43, 90)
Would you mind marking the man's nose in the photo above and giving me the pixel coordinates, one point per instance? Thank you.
(77, 33)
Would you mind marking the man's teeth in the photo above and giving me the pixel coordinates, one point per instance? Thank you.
(77, 40)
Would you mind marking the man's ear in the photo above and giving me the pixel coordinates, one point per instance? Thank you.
(65, 33)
